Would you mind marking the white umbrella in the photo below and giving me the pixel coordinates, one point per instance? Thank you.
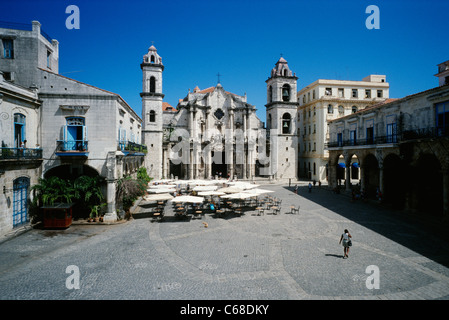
(257, 191)
(190, 199)
(243, 185)
(211, 193)
(161, 190)
(163, 186)
(230, 190)
(205, 188)
(158, 197)
(240, 196)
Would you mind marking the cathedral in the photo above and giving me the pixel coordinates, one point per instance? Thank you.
(215, 133)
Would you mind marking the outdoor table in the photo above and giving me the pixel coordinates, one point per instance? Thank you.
(274, 208)
(260, 210)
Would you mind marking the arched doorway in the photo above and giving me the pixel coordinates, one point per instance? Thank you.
(20, 200)
(354, 170)
(341, 168)
(394, 177)
(71, 172)
(371, 175)
(83, 179)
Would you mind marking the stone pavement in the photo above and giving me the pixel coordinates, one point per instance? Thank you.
(251, 257)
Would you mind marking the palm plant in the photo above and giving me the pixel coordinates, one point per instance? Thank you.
(53, 190)
(89, 194)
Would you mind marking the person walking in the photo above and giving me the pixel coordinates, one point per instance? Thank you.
(345, 239)
(310, 187)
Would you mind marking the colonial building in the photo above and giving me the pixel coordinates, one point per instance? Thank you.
(398, 148)
(213, 132)
(81, 129)
(325, 100)
(20, 152)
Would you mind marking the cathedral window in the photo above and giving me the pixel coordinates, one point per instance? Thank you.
(330, 109)
(285, 92)
(270, 94)
(354, 109)
(286, 123)
(152, 116)
(152, 59)
(219, 114)
(153, 84)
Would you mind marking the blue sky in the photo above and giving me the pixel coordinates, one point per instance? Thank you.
(242, 40)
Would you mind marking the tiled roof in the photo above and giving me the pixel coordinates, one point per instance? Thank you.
(167, 107)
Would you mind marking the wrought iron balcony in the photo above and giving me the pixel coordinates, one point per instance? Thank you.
(20, 154)
(132, 148)
(425, 133)
(72, 148)
(364, 142)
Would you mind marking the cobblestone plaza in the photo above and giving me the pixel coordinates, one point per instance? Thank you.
(250, 257)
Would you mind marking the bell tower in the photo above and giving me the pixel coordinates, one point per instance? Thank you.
(281, 110)
(152, 97)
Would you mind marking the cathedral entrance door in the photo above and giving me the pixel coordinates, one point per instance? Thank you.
(219, 168)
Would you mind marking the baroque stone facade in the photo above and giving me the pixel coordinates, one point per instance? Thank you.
(213, 132)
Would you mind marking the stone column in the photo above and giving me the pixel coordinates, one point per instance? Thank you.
(348, 175)
(190, 165)
(191, 122)
(362, 177)
(381, 179)
(111, 178)
(208, 163)
(230, 157)
(245, 147)
(164, 163)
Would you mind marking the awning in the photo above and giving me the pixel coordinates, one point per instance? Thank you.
(356, 165)
(342, 165)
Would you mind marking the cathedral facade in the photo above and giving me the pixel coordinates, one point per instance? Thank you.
(215, 133)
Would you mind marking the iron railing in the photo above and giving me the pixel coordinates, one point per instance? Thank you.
(132, 147)
(406, 135)
(72, 145)
(20, 154)
(364, 142)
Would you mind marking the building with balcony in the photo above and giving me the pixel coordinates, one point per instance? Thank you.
(83, 129)
(325, 100)
(20, 152)
(399, 148)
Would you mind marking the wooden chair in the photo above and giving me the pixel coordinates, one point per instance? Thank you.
(294, 209)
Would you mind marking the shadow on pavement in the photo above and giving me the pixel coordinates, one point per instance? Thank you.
(428, 236)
